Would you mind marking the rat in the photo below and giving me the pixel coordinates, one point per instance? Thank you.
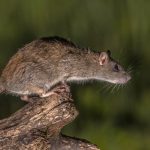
(43, 63)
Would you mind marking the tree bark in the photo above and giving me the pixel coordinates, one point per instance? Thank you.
(37, 126)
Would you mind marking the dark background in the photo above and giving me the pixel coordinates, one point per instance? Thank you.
(114, 119)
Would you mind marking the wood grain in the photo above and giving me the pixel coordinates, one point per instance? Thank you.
(37, 126)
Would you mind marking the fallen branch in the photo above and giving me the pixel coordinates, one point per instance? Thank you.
(37, 125)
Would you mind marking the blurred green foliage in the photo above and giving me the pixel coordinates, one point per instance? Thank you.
(114, 119)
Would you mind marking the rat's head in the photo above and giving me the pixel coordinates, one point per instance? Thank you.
(111, 71)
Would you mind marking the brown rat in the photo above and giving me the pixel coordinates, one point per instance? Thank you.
(45, 62)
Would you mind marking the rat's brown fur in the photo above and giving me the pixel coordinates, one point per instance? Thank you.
(43, 63)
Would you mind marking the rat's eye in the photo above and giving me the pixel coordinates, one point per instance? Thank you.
(116, 68)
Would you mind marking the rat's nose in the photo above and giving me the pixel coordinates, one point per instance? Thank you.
(128, 77)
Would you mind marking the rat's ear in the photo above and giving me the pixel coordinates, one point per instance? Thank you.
(103, 58)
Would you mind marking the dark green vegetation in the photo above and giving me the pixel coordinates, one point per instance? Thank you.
(116, 119)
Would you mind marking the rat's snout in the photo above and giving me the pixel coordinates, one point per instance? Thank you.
(128, 77)
(124, 79)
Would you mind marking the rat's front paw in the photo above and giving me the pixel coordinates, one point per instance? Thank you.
(61, 88)
(47, 94)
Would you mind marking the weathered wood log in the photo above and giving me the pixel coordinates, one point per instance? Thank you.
(37, 125)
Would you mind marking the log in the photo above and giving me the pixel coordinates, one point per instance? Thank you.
(37, 126)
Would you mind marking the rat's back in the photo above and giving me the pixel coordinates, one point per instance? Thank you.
(49, 47)
(35, 63)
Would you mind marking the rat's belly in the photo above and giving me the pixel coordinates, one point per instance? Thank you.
(24, 88)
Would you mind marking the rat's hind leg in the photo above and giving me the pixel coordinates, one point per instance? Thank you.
(35, 91)
(28, 98)
(24, 98)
